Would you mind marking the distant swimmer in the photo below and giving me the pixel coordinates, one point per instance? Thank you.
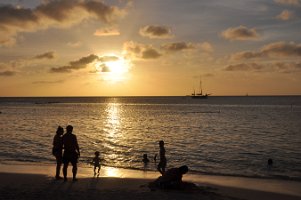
(270, 163)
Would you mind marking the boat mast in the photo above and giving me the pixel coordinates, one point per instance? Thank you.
(201, 87)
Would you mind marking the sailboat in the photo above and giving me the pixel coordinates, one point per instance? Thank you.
(199, 95)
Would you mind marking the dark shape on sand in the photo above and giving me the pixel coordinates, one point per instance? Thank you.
(172, 178)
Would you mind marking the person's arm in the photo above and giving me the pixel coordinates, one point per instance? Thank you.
(77, 147)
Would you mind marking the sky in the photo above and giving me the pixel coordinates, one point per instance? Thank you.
(149, 48)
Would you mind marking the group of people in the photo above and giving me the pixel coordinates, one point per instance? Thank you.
(66, 150)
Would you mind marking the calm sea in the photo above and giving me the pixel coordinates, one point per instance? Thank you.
(218, 135)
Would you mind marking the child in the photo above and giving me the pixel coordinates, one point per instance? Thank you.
(96, 162)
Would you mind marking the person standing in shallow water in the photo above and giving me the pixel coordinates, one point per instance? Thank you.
(162, 163)
(57, 150)
(71, 152)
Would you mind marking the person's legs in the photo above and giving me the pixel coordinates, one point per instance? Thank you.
(65, 167)
(74, 170)
(159, 168)
(58, 167)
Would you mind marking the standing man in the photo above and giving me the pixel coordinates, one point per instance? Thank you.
(162, 163)
(71, 152)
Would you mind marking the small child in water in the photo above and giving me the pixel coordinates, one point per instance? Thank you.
(96, 162)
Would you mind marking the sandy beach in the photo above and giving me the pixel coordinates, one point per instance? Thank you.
(19, 181)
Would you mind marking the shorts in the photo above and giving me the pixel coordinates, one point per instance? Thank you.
(70, 157)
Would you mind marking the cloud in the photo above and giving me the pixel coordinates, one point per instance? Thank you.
(244, 67)
(58, 13)
(178, 46)
(157, 32)
(104, 68)
(285, 15)
(48, 82)
(74, 44)
(47, 55)
(107, 58)
(142, 51)
(282, 67)
(288, 2)
(7, 73)
(107, 32)
(207, 47)
(240, 33)
(75, 65)
(150, 54)
(277, 49)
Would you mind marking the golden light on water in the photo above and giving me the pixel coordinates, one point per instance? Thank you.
(113, 118)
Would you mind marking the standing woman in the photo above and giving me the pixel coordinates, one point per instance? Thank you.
(57, 150)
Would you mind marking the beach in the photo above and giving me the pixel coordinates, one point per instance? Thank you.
(25, 181)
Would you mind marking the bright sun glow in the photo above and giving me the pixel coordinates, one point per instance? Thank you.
(113, 68)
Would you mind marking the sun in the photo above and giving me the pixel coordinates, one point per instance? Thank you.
(112, 67)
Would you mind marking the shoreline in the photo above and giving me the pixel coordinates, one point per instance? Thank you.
(127, 179)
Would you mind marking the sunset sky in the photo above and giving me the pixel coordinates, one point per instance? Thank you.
(149, 47)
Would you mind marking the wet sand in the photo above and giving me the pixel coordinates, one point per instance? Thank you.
(19, 181)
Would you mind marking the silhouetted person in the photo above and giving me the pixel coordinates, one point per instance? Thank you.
(145, 160)
(172, 178)
(71, 152)
(270, 163)
(57, 150)
(162, 163)
(96, 162)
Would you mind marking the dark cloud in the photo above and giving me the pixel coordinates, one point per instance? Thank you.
(48, 82)
(288, 2)
(178, 46)
(57, 13)
(47, 55)
(76, 65)
(158, 32)
(282, 49)
(137, 50)
(282, 67)
(240, 33)
(107, 32)
(104, 68)
(7, 73)
(244, 67)
(150, 54)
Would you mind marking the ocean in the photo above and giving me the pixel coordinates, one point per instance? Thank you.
(232, 136)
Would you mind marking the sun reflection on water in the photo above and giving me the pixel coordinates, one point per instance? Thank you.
(113, 119)
(114, 135)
